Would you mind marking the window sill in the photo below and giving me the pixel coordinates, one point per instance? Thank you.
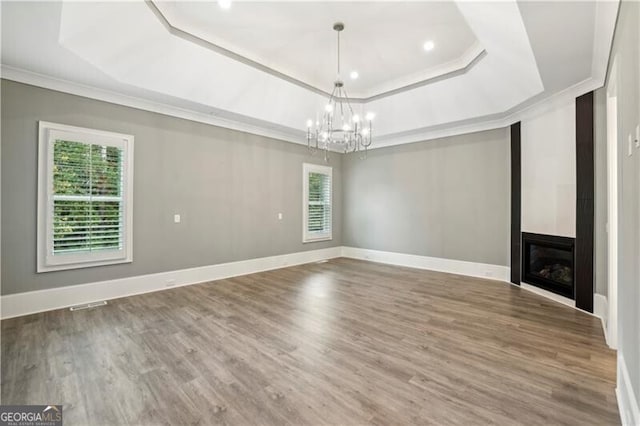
(316, 239)
(90, 264)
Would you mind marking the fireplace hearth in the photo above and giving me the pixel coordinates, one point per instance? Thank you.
(548, 263)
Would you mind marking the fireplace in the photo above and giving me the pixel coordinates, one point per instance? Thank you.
(548, 263)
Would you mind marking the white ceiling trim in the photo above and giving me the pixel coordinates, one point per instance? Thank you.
(259, 98)
(495, 121)
(65, 86)
(292, 135)
(186, 35)
(605, 23)
(200, 112)
(507, 77)
(151, 59)
(460, 65)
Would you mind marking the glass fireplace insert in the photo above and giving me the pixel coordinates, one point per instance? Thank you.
(548, 262)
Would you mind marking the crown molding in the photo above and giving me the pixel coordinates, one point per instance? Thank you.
(240, 123)
(606, 20)
(455, 68)
(522, 111)
(65, 86)
(185, 35)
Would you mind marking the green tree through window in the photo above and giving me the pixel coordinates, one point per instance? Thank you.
(87, 197)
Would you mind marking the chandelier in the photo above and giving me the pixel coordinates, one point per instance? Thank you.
(338, 127)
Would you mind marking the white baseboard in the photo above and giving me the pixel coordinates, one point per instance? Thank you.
(601, 309)
(473, 269)
(460, 267)
(548, 294)
(600, 305)
(627, 402)
(15, 305)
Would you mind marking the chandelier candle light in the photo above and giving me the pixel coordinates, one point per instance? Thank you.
(340, 127)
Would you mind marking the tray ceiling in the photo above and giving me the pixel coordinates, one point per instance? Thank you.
(298, 40)
(262, 66)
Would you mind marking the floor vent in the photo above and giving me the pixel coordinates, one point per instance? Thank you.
(88, 305)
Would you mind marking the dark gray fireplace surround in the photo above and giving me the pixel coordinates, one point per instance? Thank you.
(548, 262)
(582, 286)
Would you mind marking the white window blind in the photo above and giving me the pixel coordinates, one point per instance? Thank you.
(85, 204)
(317, 203)
(87, 197)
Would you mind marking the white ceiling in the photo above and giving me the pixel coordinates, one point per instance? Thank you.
(258, 66)
(298, 40)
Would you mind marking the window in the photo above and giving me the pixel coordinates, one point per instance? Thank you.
(317, 203)
(85, 194)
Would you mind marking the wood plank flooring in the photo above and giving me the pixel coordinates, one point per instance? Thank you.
(344, 342)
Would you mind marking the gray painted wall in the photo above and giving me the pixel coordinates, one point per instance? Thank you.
(601, 190)
(447, 198)
(228, 186)
(626, 55)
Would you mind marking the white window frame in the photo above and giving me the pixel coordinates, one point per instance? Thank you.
(48, 133)
(310, 237)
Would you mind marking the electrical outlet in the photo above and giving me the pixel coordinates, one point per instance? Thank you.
(170, 283)
(176, 218)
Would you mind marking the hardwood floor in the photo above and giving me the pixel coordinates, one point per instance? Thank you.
(344, 342)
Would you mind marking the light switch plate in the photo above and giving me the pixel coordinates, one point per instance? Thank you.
(279, 216)
(176, 218)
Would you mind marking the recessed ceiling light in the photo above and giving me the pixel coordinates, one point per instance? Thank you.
(428, 45)
(354, 75)
(224, 4)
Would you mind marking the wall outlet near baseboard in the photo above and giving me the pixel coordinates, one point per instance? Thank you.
(170, 283)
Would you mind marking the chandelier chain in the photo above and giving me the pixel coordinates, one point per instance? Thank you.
(338, 54)
(339, 127)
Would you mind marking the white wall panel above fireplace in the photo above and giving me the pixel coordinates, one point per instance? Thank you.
(549, 170)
